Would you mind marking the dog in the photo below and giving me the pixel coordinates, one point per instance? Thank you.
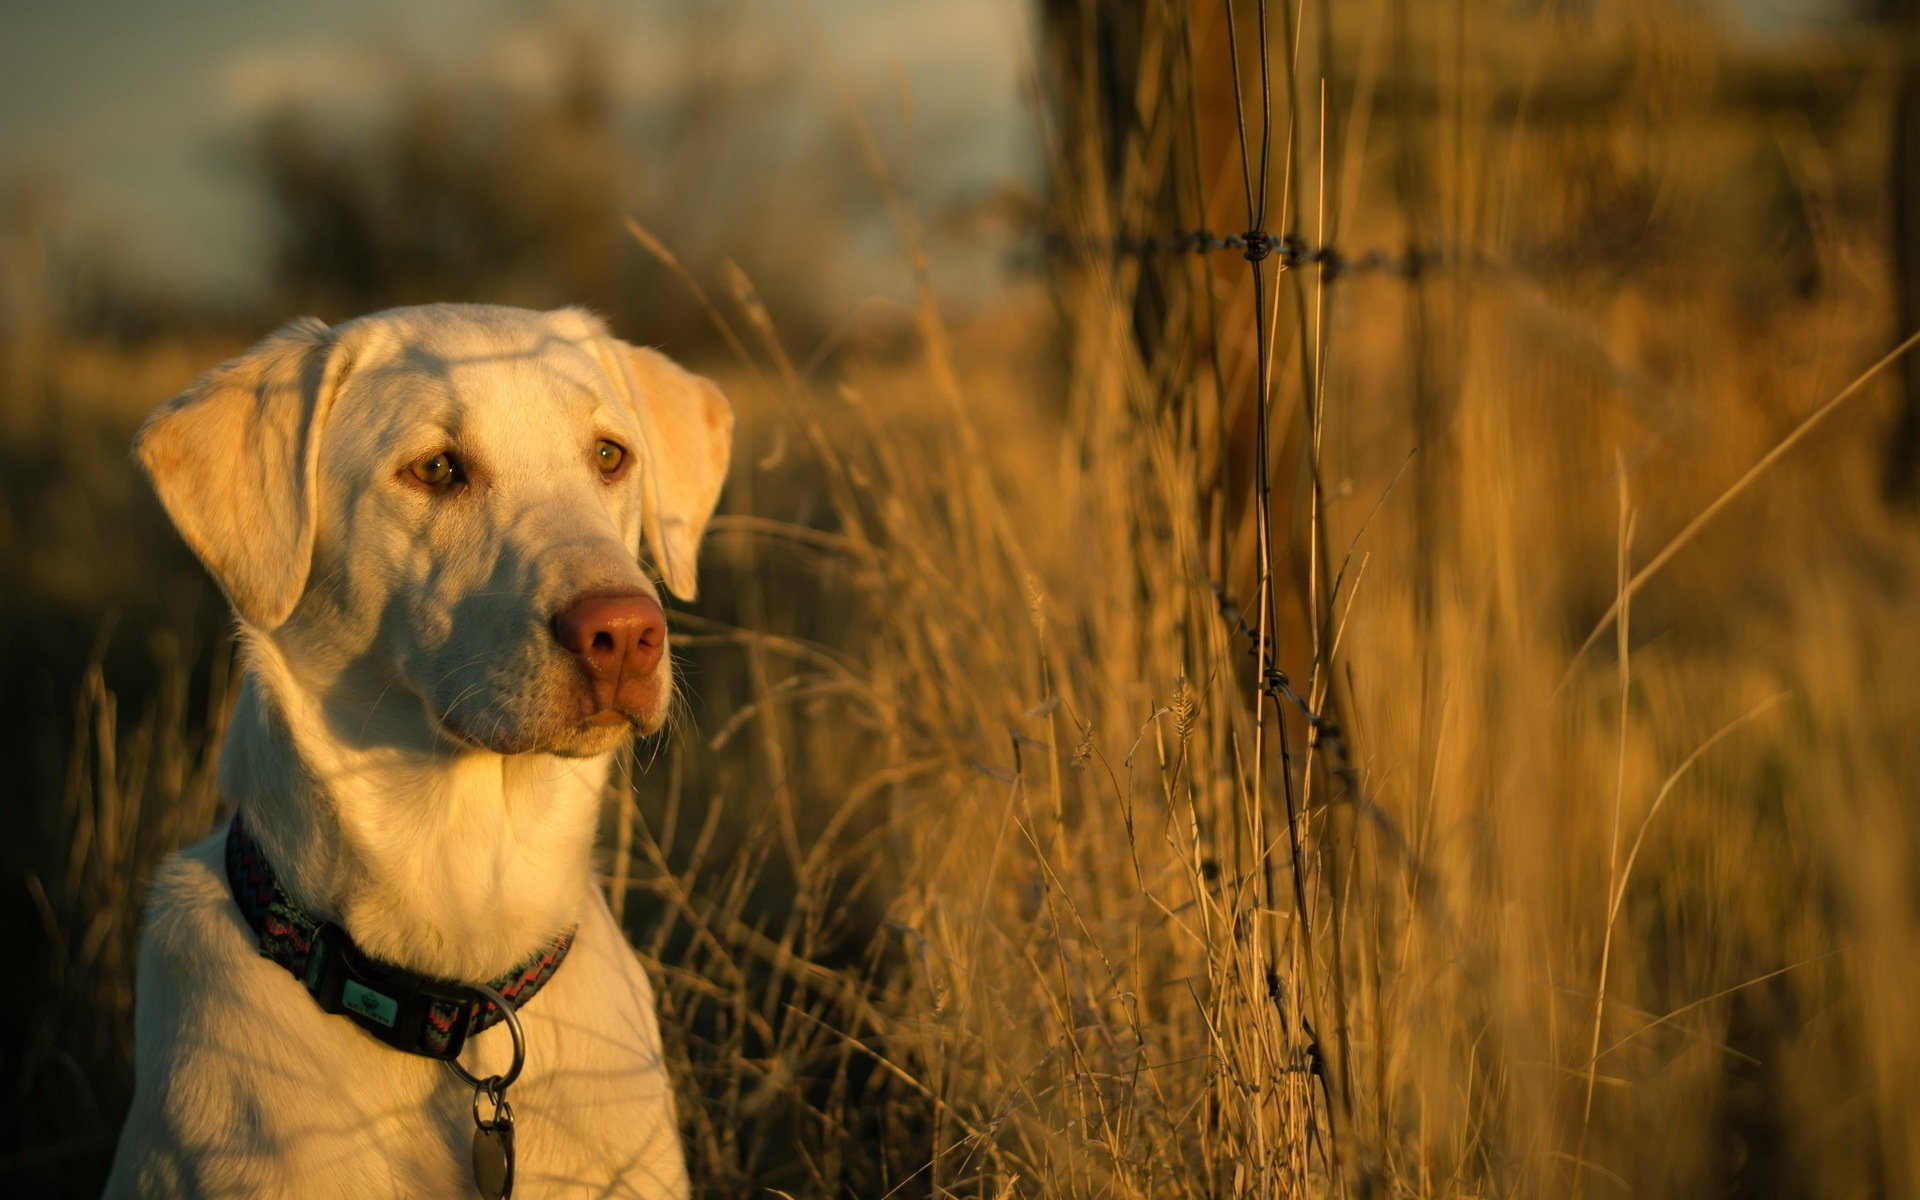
(428, 523)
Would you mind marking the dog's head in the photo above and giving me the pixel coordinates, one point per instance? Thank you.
(447, 503)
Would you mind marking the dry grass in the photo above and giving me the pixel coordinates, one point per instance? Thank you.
(973, 874)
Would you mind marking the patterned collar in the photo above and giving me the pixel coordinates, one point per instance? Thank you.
(404, 1009)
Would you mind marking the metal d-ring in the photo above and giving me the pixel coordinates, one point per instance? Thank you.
(501, 1109)
(496, 1084)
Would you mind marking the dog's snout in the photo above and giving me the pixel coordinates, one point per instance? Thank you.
(617, 636)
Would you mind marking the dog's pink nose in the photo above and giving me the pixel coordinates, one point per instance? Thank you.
(618, 636)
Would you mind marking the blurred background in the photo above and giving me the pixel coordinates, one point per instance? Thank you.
(1563, 845)
(175, 183)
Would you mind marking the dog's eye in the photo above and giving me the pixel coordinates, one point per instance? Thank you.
(608, 456)
(437, 470)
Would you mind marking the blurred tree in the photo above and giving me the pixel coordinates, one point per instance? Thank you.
(458, 194)
(70, 274)
(472, 188)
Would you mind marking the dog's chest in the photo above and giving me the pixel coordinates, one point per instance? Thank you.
(592, 1108)
(295, 1101)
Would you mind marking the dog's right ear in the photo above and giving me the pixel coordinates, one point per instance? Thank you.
(235, 458)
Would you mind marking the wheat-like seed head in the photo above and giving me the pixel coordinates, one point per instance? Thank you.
(1185, 705)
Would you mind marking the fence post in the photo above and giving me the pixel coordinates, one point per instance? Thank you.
(1903, 451)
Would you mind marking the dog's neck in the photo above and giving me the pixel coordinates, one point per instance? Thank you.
(451, 861)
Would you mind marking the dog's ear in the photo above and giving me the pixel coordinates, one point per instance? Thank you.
(234, 460)
(688, 425)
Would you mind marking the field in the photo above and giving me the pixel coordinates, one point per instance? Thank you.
(1563, 846)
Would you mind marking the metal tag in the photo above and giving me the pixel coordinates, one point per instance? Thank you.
(493, 1159)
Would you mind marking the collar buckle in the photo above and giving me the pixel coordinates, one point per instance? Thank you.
(404, 1009)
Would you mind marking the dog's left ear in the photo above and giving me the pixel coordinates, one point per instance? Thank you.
(688, 425)
(235, 458)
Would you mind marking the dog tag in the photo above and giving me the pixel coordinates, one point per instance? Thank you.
(493, 1155)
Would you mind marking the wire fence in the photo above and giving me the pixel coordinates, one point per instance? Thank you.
(1287, 251)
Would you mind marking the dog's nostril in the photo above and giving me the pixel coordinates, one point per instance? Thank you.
(618, 635)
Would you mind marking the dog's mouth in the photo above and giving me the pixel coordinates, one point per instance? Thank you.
(602, 731)
(624, 720)
(597, 734)
(571, 719)
(627, 705)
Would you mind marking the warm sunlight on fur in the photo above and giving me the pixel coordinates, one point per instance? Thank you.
(1563, 844)
(438, 665)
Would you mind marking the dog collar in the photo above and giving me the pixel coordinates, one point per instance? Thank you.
(404, 1009)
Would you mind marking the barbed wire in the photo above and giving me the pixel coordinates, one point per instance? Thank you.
(1327, 736)
(1287, 250)
(1275, 682)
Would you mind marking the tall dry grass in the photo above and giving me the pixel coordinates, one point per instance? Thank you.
(973, 873)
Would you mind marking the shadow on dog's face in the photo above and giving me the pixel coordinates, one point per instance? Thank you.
(474, 480)
(452, 480)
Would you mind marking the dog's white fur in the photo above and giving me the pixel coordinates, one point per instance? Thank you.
(410, 746)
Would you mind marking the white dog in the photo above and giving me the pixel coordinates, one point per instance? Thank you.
(428, 523)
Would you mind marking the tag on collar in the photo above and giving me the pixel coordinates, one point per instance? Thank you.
(405, 1009)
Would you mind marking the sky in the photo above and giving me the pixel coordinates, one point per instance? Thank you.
(137, 109)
